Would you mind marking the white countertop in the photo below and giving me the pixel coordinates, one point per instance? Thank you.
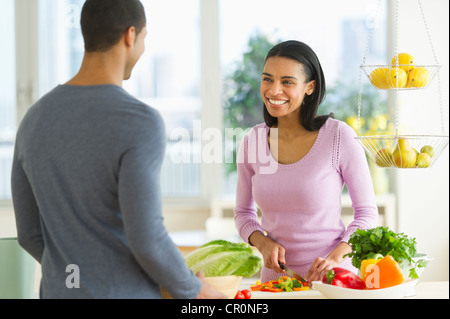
(424, 290)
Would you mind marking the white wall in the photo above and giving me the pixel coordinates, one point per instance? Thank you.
(423, 195)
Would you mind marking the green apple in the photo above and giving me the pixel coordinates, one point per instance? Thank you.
(427, 149)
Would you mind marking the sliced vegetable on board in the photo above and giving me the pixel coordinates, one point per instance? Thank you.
(282, 284)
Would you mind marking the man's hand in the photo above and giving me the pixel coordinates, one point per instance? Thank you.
(207, 291)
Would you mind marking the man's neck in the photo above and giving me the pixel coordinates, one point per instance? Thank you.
(100, 68)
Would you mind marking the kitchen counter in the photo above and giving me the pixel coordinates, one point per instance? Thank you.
(424, 290)
(431, 290)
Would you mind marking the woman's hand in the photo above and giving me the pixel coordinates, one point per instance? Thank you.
(321, 266)
(273, 253)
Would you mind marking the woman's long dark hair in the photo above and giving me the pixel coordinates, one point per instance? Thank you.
(302, 53)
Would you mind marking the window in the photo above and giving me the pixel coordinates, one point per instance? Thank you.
(167, 76)
(61, 45)
(251, 30)
(7, 96)
(171, 75)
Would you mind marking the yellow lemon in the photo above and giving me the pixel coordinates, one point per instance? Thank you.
(379, 78)
(405, 61)
(418, 78)
(352, 121)
(395, 73)
(381, 122)
(384, 158)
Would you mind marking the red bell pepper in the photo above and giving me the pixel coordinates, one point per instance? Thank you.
(343, 278)
(257, 287)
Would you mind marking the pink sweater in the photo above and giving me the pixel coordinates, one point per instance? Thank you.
(301, 202)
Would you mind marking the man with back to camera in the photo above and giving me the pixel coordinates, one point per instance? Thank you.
(86, 175)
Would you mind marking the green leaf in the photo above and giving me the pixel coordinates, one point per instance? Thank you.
(223, 258)
(413, 274)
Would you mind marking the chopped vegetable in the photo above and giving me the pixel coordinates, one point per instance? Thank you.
(287, 284)
(366, 244)
(272, 289)
(384, 273)
(300, 288)
(343, 278)
(256, 287)
(283, 283)
(224, 258)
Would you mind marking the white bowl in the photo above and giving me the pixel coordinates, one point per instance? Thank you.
(394, 292)
(405, 267)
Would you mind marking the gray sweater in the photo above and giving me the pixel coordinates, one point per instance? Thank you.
(86, 194)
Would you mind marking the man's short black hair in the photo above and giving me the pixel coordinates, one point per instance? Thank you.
(103, 22)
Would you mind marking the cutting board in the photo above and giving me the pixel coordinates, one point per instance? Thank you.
(309, 294)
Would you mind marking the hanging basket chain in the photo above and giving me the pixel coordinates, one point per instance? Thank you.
(395, 47)
(441, 107)
(428, 32)
(396, 106)
(363, 63)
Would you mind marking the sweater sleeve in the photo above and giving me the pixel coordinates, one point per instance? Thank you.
(140, 204)
(245, 213)
(354, 169)
(29, 231)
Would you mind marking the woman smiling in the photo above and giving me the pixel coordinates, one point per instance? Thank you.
(314, 155)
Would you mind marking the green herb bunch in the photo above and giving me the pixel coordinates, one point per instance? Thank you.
(371, 243)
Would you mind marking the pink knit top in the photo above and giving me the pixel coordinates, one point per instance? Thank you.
(301, 202)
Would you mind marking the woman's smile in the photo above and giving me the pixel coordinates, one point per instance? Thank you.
(277, 103)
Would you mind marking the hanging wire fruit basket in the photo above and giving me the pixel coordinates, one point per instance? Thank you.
(401, 76)
(402, 151)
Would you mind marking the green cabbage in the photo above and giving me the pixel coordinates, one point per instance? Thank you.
(224, 258)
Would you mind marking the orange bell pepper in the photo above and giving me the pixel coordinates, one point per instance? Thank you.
(300, 288)
(384, 273)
